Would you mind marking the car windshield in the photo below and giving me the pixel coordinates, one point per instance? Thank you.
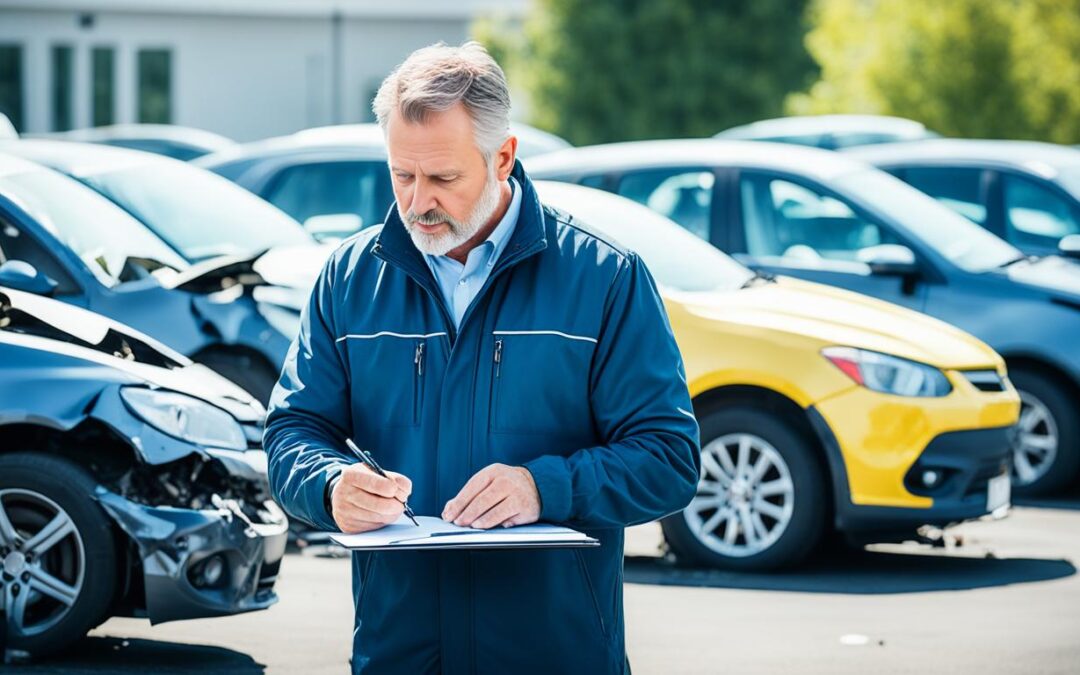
(961, 241)
(676, 258)
(102, 234)
(200, 214)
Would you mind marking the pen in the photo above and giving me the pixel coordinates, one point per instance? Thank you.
(367, 459)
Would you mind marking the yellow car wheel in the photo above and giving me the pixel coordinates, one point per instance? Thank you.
(761, 498)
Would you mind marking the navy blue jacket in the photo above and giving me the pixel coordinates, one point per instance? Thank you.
(588, 392)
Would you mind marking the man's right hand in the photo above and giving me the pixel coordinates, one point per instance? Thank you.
(362, 500)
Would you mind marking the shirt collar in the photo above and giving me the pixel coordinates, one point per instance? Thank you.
(496, 242)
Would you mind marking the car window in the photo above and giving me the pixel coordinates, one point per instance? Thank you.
(855, 138)
(677, 259)
(102, 234)
(595, 181)
(959, 189)
(683, 196)
(924, 219)
(1035, 214)
(788, 220)
(329, 188)
(159, 147)
(18, 245)
(198, 213)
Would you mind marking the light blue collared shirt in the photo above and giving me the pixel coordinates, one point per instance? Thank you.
(460, 283)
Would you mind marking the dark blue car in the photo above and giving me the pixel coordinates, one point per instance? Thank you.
(132, 481)
(220, 311)
(333, 179)
(1026, 193)
(828, 218)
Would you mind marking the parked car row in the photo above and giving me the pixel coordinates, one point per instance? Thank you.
(823, 217)
(852, 346)
(865, 503)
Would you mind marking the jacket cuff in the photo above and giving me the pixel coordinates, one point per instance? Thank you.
(323, 482)
(552, 477)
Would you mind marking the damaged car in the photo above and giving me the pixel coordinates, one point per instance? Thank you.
(234, 311)
(132, 480)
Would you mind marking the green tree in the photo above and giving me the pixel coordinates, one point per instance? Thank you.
(969, 68)
(607, 70)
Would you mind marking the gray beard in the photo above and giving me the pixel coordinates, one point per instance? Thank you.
(459, 231)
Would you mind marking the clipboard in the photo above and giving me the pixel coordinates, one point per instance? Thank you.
(434, 534)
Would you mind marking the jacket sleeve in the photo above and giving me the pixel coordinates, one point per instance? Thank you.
(309, 416)
(649, 465)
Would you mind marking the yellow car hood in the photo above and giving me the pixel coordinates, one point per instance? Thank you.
(831, 316)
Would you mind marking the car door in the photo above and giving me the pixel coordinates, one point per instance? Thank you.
(786, 224)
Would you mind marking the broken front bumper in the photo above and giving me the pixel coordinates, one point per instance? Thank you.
(202, 563)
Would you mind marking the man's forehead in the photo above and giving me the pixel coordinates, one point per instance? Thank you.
(442, 141)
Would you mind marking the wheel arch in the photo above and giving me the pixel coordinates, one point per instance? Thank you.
(801, 421)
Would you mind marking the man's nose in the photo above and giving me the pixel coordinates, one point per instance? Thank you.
(423, 197)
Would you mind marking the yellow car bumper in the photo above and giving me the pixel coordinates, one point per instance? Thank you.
(880, 447)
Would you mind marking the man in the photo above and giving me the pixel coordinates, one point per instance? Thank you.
(510, 366)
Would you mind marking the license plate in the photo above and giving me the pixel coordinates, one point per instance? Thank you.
(998, 491)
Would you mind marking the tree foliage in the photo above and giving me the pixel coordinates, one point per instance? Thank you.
(969, 68)
(606, 70)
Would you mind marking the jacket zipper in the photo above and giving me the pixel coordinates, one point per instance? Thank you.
(418, 391)
(493, 400)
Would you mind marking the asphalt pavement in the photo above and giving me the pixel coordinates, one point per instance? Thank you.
(1004, 597)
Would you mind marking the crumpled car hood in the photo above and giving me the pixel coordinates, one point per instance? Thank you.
(83, 334)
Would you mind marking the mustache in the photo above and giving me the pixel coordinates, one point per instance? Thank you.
(432, 217)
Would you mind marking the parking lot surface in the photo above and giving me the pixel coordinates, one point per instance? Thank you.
(1006, 600)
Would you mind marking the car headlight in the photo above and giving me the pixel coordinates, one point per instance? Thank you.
(888, 374)
(185, 417)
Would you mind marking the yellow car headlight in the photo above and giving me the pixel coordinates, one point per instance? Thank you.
(888, 374)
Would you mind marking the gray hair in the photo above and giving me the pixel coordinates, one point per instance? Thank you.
(436, 78)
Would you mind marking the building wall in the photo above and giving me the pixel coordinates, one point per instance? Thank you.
(243, 76)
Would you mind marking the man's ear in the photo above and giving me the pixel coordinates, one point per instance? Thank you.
(504, 158)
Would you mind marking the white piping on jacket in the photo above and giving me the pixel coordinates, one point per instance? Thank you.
(388, 333)
(545, 332)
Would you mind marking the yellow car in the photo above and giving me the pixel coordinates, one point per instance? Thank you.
(819, 408)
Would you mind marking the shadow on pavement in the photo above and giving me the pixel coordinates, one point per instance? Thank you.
(859, 572)
(1068, 502)
(123, 655)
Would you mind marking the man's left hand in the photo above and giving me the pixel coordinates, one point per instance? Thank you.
(497, 495)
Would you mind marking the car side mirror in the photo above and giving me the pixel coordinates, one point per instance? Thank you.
(889, 259)
(333, 225)
(1069, 246)
(22, 276)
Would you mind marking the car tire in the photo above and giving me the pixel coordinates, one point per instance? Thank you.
(250, 373)
(792, 455)
(1047, 411)
(37, 489)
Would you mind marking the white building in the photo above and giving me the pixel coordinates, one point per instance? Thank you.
(246, 69)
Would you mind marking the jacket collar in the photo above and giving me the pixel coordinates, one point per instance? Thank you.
(395, 246)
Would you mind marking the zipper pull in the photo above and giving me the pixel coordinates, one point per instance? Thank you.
(498, 357)
(419, 359)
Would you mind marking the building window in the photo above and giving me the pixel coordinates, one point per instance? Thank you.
(62, 56)
(103, 83)
(11, 84)
(155, 86)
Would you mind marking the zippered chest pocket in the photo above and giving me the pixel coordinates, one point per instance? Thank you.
(540, 382)
(388, 372)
